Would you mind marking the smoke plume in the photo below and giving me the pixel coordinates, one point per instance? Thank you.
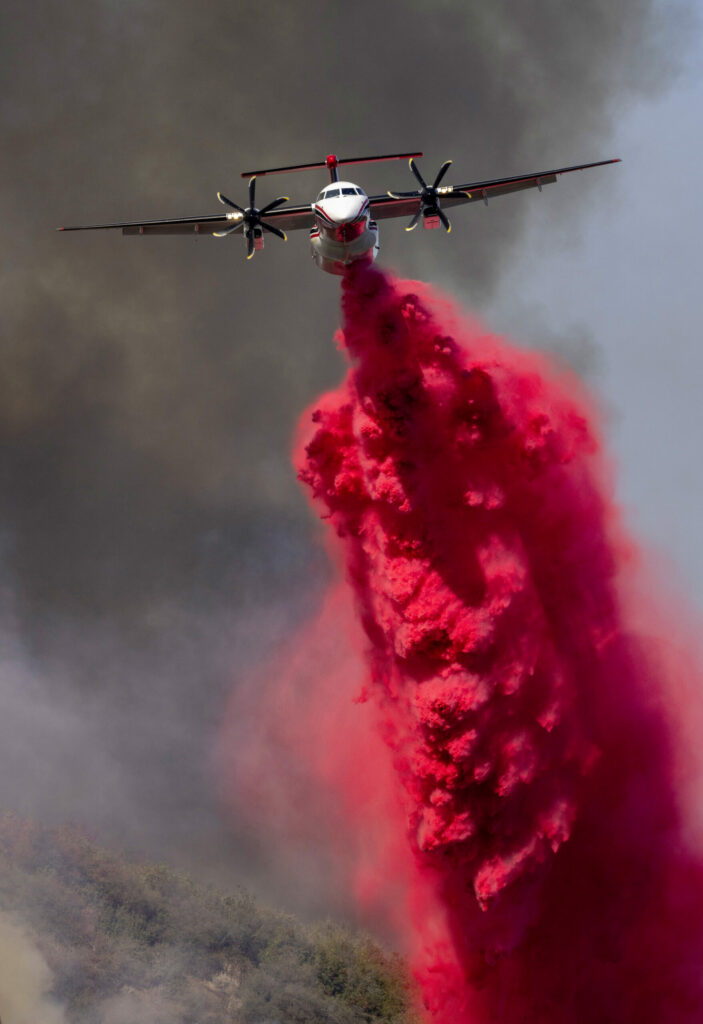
(25, 979)
(510, 793)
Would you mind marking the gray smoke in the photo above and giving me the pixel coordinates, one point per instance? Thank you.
(25, 978)
(153, 541)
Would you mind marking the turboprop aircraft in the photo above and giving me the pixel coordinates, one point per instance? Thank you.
(343, 220)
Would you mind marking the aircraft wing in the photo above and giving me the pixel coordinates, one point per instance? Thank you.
(286, 219)
(383, 207)
(290, 218)
(473, 192)
(172, 226)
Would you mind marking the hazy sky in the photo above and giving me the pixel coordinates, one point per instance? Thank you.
(628, 281)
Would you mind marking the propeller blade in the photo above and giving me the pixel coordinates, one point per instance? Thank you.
(442, 171)
(252, 191)
(227, 231)
(413, 223)
(274, 231)
(413, 168)
(274, 204)
(403, 195)
(250, 244)
(443, 217)
(228, 202)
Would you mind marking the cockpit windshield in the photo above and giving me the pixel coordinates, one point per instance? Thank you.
(333, 193)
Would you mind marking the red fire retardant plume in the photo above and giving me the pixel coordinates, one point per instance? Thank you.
(532, 736)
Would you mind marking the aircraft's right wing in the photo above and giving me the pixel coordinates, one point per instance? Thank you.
(173, 226)
(286, 219)
(290, 218)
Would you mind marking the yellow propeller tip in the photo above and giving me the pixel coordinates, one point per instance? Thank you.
(250, 255)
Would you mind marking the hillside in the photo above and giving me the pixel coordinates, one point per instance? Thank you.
(135, 943)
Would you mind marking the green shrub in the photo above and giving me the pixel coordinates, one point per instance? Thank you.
(142, 939)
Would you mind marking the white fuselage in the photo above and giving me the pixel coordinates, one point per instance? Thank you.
(344, 231)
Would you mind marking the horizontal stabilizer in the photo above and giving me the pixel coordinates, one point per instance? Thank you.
(330, 162)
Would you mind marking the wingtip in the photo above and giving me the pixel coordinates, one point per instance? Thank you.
(61, 229)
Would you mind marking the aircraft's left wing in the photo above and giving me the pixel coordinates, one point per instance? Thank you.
(287, 219)
(386, 206)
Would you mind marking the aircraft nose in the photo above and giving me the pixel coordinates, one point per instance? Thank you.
(346, 208)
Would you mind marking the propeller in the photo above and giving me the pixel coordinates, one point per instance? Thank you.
(252, 218)
(429, 196)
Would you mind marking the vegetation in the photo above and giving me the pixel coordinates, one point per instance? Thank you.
(128, 941)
